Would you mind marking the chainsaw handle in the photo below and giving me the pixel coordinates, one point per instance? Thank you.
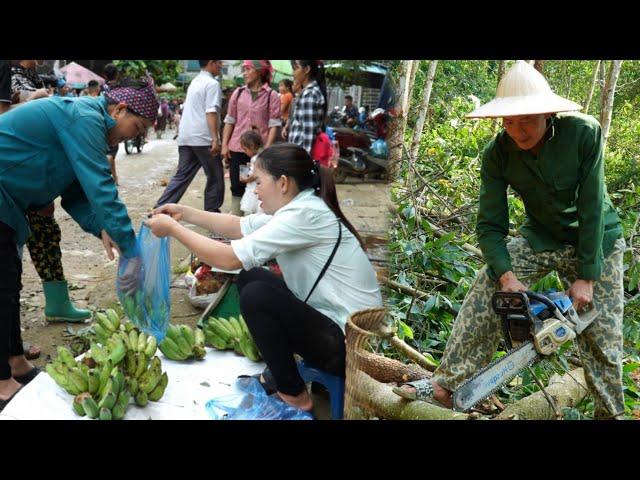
(541, 298)
(502, 302)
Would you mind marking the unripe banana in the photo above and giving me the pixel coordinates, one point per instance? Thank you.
(102, 334)
(143, 363)
(79, 381)
(188, 335)
(142, 399)
(77, 406)
(184, 347)
(130, 363)
(142, 342)
(118, 352)
(133, 339)
(152, 345)
(114, 318)
(66, 357)
(156, 393)
(105, 414)
(90, 407)
(104, 321)
(222, 327)
(94, 382)
(108, 401)
(216, 342)
(118, 412)
(133, 386)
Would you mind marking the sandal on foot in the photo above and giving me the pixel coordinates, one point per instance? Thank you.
(423, 390)
(27, 377)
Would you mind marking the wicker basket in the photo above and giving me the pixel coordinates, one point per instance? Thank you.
(361, 327)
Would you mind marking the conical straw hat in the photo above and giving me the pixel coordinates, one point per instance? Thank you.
(523, 91)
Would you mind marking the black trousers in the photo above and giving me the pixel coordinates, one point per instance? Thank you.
(281, 325)
(10, 286)
(190, 159)
(237, 159)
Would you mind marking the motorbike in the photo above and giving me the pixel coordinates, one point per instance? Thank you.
(363, 152)
(137, 143)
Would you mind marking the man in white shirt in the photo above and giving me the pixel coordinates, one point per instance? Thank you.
(199, 140)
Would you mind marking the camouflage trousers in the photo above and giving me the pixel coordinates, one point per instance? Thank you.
(477, 330)
(44, 247)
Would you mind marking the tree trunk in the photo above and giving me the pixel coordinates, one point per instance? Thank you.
(406, 75)
(395, 127)
(566, 391)
(610, 88)
(388, 370)
(603, 82)
(424, 108)
(539, 66)
(592, 89)
(380, 401)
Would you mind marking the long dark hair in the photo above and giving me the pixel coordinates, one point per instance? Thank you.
(316, 72)
(293, 161)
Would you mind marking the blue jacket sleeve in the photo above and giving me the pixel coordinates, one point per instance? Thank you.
(84, 144)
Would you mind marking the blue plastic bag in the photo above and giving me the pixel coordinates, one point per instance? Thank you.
(149, 308)
(253, 404)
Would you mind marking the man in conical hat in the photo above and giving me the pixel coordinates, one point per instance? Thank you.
(554, 161)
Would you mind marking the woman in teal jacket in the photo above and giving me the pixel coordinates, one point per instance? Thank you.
(57, 147)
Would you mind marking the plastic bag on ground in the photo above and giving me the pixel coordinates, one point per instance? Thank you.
(253, 403)
(149, 308)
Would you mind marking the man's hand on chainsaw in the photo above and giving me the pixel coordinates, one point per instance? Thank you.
(510, 283)
(581, 293)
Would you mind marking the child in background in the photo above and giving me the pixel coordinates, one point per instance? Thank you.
(251, 143)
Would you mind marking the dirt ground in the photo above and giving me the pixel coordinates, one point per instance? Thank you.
(92, 276)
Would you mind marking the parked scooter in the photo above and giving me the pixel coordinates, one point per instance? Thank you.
(363, 152)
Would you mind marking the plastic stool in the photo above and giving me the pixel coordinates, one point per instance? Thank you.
(335, 386)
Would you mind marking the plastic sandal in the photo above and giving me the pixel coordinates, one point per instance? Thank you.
(423, 390)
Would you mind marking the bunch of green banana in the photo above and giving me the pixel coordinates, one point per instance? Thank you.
(113, 350)
(182, 343)
(109, 401)
(137, 341)
(231, 334)
(108, 324)
(144, 377)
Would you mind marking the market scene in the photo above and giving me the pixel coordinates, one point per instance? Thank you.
(186, 239)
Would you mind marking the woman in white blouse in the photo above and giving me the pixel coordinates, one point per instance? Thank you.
(326, 273)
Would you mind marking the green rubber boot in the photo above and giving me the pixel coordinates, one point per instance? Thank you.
(58, 306)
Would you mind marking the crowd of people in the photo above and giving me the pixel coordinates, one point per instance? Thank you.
(288, 198)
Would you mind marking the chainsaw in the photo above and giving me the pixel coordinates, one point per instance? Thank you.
(534, 326)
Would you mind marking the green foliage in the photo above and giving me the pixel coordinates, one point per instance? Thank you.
(162, 71)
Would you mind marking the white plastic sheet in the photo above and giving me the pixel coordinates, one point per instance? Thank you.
(191, 385)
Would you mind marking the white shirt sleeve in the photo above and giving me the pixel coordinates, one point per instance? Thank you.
(251, 223)
(213, 97)
(282, 233)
